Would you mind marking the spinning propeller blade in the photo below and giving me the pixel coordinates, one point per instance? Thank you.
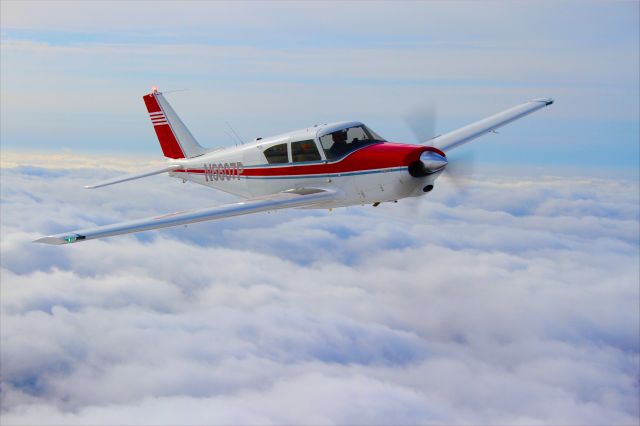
(421, 120)
(460, 168)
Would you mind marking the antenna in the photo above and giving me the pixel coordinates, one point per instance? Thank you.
(234, 132)
(230, 135)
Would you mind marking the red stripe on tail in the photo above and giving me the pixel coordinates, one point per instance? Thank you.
(168, 142)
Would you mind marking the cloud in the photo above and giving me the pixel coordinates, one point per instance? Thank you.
(513, 301)
(52, 162)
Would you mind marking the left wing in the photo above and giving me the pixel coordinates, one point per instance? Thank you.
(282, 200)
(467, 133)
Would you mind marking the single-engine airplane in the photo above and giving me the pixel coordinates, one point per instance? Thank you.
(320, 167)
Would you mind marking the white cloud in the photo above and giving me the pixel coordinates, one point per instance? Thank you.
(514, 301)
(71, 160)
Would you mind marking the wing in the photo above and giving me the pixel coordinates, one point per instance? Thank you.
(467, 133)
(283, 200)
(137, 175)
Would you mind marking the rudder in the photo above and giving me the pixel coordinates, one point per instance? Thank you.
(175, 139)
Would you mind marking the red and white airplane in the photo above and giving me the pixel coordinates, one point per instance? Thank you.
(320, 167)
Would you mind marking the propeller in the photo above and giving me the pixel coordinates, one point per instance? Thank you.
(422, 120)
(460, 168)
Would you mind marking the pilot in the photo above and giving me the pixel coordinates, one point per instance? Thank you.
(339, 142)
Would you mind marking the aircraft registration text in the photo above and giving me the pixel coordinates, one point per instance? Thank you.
(222, 171)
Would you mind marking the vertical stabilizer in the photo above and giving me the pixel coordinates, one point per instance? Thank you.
(175, 139)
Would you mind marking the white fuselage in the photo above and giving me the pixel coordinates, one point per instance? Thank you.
(243, 171)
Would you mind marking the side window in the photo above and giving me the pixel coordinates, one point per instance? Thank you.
(304, 151)
(277, 154)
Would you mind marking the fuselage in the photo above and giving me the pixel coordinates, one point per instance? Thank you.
(374, 173)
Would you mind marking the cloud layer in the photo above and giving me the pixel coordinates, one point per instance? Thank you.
(512, 301)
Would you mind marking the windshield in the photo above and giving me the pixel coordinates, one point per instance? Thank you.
(342, 142)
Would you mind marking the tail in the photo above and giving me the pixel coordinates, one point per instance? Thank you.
(175, 139)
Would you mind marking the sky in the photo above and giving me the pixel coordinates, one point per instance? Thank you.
(73, 74)
(510, 299)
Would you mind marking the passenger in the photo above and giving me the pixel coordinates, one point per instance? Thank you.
(309, 152)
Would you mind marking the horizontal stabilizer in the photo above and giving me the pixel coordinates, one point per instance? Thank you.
(137, 175)
(282, 200)
(467, 133)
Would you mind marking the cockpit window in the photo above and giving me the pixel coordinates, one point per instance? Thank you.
(277, 154)
(341, 142)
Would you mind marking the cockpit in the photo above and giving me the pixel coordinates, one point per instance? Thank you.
(335, 141)
(341, 142)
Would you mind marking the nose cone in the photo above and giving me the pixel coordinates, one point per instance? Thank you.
(433, 161)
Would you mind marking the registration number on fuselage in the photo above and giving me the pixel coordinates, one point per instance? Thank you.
(222, 171)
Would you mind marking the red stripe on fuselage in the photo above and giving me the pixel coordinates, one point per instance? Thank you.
(168, 142)
(379, 156)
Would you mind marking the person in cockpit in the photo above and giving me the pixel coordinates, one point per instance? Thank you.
(339, 142)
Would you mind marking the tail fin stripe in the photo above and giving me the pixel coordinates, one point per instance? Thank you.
(175, 139)
(170, 146)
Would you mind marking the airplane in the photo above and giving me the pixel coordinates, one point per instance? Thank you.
(319, 167)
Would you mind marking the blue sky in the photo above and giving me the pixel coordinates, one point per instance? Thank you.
(73, 74)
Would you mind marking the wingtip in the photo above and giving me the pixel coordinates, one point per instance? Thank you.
(546, 101)
(48, 240)
(57, 240)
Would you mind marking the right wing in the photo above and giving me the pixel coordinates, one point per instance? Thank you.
(282, 200)
(467, 133)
